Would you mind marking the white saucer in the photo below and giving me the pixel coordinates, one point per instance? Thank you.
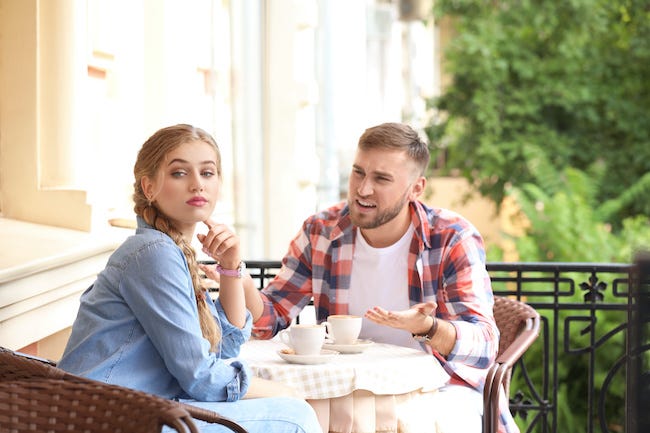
(325, 356)
(356, 347)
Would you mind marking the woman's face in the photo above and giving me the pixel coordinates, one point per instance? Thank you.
(186, 187)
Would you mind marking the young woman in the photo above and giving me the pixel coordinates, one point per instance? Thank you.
(147, 323)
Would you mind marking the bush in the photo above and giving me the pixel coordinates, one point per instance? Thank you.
(567, 79)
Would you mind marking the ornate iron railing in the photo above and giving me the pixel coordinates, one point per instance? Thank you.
(588, 370)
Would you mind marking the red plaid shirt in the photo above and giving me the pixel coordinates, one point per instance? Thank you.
(446, 264)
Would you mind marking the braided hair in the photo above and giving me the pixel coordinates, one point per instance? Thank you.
(150, 159)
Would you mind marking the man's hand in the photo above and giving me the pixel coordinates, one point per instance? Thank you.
(414, 320)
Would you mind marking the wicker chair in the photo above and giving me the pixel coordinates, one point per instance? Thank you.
(519, 325)
(35, 395)
(59, 405)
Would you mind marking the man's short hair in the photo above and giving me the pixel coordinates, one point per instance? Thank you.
(397, 136)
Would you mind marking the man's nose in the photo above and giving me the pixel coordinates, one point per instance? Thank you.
(365, 188)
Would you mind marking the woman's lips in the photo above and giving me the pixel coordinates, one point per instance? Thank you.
(196, 201)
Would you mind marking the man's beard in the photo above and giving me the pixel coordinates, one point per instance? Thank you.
(382, 217)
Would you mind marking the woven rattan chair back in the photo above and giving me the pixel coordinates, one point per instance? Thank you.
(15, 366)
(58, 405)
(518, 325)
(46, 386)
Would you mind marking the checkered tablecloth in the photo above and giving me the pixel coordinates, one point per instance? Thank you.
(381, 369)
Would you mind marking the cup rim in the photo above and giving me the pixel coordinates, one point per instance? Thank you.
(305, 326)
(343, 316)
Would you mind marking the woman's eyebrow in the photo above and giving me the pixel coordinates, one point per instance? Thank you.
(182, 161)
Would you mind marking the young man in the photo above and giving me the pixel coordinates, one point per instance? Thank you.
(416, 274)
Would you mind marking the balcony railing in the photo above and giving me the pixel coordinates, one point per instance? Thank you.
(589, 370)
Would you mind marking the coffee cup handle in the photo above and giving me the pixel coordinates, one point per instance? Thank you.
(329, 338)
(285, 337)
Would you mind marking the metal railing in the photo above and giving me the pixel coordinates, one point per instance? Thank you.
(589, 370)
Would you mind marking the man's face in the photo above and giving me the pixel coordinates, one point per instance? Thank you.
(381, 185)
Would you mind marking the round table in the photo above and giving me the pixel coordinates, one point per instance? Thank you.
(347, 390)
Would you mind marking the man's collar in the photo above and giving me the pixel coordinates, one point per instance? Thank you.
(343, 224)
(420, 222)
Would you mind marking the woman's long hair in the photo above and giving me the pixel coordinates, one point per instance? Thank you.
(150, 159)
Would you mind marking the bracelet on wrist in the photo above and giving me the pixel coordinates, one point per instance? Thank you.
(425, 338)
(236, 273)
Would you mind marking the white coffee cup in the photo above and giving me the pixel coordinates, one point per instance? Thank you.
(343, 328)
(304, 339)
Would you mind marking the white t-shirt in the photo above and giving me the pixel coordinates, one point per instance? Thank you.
(380, 278)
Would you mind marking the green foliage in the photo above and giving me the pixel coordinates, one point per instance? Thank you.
(549, 103)
(567, 226)
(559, 82)
(639, 190)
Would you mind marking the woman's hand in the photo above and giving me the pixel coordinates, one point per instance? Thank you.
(414, 320)
(221, 243)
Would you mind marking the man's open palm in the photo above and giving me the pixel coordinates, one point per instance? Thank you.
(404, 319)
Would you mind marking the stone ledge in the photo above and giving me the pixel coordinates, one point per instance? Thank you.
(28, 248)
(43, 271)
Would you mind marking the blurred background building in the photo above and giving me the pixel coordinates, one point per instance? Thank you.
(285, 86)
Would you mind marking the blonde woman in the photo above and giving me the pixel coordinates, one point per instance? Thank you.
(147, 323)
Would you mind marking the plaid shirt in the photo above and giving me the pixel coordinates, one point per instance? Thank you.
(446, 264)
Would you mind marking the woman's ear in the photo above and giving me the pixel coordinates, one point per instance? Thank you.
(147, 187)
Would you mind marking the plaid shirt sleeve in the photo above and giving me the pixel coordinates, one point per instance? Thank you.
(455, 277)
(468, 301)
(304, 274)
(289, 291)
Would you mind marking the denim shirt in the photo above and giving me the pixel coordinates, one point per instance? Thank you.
(137, 326)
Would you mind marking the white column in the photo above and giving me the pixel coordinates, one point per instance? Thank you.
(29, 105)
(247, 128)
(62, 73)
(349, 94)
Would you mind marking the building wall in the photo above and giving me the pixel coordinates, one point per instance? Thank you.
(35, 120)
(285, 86)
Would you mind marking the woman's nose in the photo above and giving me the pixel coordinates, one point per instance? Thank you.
(197, 184)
